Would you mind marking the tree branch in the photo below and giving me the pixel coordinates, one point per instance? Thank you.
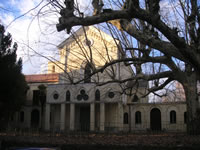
(181, 49)
(157, 88)
(163, 46)
(141, 76)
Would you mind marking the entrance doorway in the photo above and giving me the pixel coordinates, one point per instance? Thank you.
(85, 118)
(155, 119)
(35, 118)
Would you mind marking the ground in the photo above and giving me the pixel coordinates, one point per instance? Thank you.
(98, 141)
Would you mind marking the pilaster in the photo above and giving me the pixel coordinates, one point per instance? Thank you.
(92, 117)
(47, 117)
(62, 117)
(72, 117)
(102, 117)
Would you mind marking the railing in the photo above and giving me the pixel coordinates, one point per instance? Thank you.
(109, 127)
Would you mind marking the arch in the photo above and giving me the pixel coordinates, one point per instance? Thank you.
(172, 107)
(172, 117)
(35, 118)
(21, 116)
(138, 118)
(155, 119)
(97, 95)
(68, 96)
(87, 73)
(125, 118)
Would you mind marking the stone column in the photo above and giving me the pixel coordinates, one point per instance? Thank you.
(129, 118)
(62, 117)
(28, 114)
(102, 116)
(72, 117)
(120, 116)
(92, 117)
(47, 117)
(148, 117)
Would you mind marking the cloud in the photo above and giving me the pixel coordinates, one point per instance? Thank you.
(6, 18)
(27, 32)
(24, 6)
(35, 34)
(13, 2)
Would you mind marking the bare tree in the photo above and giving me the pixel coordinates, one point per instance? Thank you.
(144, 21)
(170, 44)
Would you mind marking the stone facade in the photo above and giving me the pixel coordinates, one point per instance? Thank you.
(84, 106)
(32, 114)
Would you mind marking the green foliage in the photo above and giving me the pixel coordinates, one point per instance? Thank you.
(12, 82)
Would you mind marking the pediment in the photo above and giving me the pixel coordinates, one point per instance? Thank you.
(93, 34)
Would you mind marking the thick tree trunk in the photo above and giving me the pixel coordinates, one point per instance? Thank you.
(190, 88)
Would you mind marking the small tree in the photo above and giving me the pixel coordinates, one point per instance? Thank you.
(13, 86)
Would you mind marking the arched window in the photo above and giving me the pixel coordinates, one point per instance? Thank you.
(126, 118)
(185, 117)
(135, 98)
(21, 116)
(172, 116)
(53, 69)
(35, 118)
(97, 95)
(138, 119)
(68, 95)
(87, 73)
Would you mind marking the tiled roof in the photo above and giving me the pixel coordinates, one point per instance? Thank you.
(38, 78)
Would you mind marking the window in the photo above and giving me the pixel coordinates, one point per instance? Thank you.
(88, 42)
(21, 119)
(87, 73)
(68, 95)
(135, 98)
(82, 96)
(185, 117)
(126, 118)
(35, 118)
(53, 69)
(97, 95)
(138, 119)
(36, 97)
(172, 117)
(111, 94)
(55, 96)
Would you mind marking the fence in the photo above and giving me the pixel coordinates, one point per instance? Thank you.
(109, 127)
